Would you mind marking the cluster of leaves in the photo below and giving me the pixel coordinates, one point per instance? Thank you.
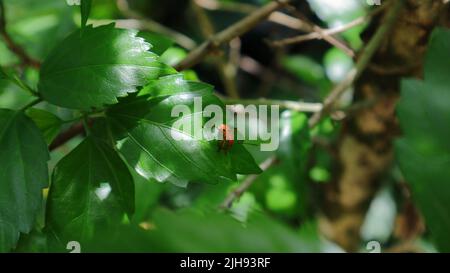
(112, 74)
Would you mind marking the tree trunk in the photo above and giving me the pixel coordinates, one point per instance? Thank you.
(365, 146)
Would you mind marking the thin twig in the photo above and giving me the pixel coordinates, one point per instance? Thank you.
(284, 104)
(80, 128)
(275, 17)
(223, 66)
(21, 84)
(12, 45)
(64, 137)
(226, 6)
(366, 55)
(316, 32)
(236, 193)
(324, 33)
(31, 104)
(226, 35)
(331, 39)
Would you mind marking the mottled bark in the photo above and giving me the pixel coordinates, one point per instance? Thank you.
(365, 146)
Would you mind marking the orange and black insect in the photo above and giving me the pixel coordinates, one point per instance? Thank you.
(227, 141)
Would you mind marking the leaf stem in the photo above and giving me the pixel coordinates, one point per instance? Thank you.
(24, 86)
(85, 121)
(284, 104)
(31, 104)
(17, 81)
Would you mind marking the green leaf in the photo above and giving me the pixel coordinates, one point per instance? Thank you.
(85, 11)
(23, 175)
(160, 43)
(173, 55)
(307, 70)
(304, 68)
(48, 123)
(337, 64)
(428, 177)
(424, 151)
(33, 242)
(91, 188)
(435, 65)
(190, 75)
(92, 68)
(175, 84)
(145, 126)
(5, 75)
(242, 161)
(148, 197)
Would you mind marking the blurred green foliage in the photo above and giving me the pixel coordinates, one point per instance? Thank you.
(278, 213)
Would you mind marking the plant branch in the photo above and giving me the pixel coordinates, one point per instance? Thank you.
(80, 128)
(12, 45)
(225, 68)
(226, 6)
(226, 35)
(322, 34)
(275, 17)
(284, 104)
(64, 137)
(316, 32)
(235, 194)
(332, 39)
(364, 59)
